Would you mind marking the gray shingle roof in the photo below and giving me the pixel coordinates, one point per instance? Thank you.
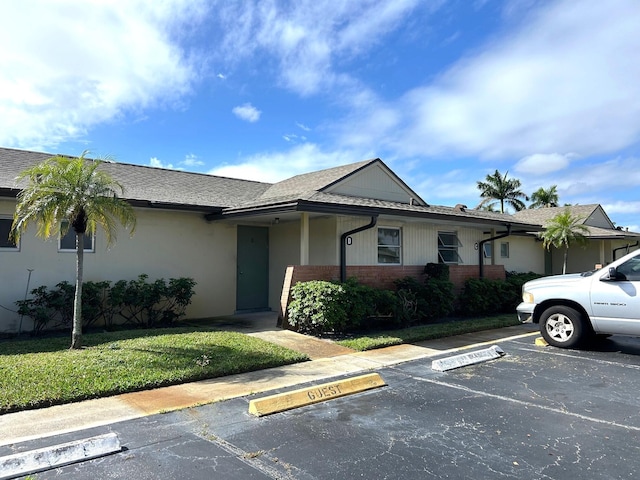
(541, 216)
(213, 194)
(313, 181)
(149, 184)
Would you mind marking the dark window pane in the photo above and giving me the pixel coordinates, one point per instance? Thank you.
(5, 228)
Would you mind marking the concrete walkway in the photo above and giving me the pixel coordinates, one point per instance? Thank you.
(328, 360)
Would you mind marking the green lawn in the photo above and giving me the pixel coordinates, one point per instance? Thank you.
(42, 372)
(428, 332)
(37, 373)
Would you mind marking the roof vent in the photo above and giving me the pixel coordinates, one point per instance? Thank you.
(460, 207)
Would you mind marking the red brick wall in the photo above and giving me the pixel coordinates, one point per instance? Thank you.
(378, 276)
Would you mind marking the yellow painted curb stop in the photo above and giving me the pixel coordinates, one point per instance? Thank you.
(541, 342)
(315, 394)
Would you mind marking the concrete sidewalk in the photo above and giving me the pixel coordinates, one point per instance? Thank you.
(328, 360)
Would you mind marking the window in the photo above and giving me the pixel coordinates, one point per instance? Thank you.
(630, 270)
(389, 245)
(448, 245)
(5, 228)
(487, 249)
(68, 241)
(504, 249)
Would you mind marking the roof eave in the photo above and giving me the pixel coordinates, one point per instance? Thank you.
(336, 209)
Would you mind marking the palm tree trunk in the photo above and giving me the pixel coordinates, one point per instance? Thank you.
(76, 333)
(564, 263)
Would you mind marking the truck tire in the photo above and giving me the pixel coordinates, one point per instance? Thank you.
(562, 327)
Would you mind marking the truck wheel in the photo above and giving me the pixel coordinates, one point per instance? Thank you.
(562, 327)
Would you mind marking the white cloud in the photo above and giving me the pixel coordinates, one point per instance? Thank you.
(543, 163)
(622, 207)
(306, 37)
(301, 158)
(157, 163)
(247, 112)
(563, 79)
(69, 65)
(191, 160)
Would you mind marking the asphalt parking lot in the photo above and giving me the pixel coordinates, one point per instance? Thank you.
(538, 412)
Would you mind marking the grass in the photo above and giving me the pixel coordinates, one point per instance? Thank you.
(43, 372)
(427, 332)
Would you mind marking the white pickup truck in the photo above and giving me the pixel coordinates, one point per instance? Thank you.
(573, 308)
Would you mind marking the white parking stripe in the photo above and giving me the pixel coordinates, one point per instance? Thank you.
(526, 404)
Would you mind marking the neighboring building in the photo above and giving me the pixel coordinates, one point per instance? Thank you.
(245, 243)
(606, 242)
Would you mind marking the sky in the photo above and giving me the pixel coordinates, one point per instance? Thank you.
(445, 92)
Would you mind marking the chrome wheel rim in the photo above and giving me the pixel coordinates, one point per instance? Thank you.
(560, 327)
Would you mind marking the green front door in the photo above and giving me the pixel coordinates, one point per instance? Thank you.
(252, 292)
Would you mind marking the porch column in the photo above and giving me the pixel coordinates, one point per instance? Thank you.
(304, 238)
(602, 259)
(493, 247)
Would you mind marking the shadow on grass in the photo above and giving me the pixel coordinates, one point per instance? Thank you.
(59, 341)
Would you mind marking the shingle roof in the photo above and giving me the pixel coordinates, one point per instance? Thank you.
(149, 184)
(214, 194)
(313, 181)
(541, 216)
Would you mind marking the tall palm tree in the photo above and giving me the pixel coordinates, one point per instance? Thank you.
(498, 188)
(564, 230)
(63, 193)
(545, 198)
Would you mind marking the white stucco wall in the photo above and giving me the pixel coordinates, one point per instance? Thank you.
(166, 244)
(525, 255)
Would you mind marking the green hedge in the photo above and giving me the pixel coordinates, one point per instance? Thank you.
(136, 302)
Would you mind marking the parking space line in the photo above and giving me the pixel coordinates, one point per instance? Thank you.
(526, 404)
(579, 357)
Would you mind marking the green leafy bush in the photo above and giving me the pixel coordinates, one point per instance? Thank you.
(438, 271)
(483, 296)
(136, 301)
(421, 302)
(317, 307)
(328, 307)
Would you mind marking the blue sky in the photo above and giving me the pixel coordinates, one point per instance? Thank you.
(445, 92)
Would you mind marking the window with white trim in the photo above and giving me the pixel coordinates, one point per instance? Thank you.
(448, 245)
(486, 248)
(5, 242)
(504, 250)
(389, 245)
(67, 242)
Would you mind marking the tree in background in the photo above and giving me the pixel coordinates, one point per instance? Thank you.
(497, 188)
(63, 193)
(542, 198)
(564, 230)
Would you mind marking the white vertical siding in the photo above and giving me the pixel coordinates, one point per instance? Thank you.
(373, 182)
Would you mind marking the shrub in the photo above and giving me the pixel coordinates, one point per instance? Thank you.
(437, 271)
(49, 308)
(421, 302)
(321, 307)
(317, 306)
(138, 302)
(367, 306)
(482, 296)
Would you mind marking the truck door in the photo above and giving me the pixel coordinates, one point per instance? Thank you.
(615, 302)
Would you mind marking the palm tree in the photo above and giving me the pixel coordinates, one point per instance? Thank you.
(545, 198)
(497, 188)
(63, 193)
(562, 231)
